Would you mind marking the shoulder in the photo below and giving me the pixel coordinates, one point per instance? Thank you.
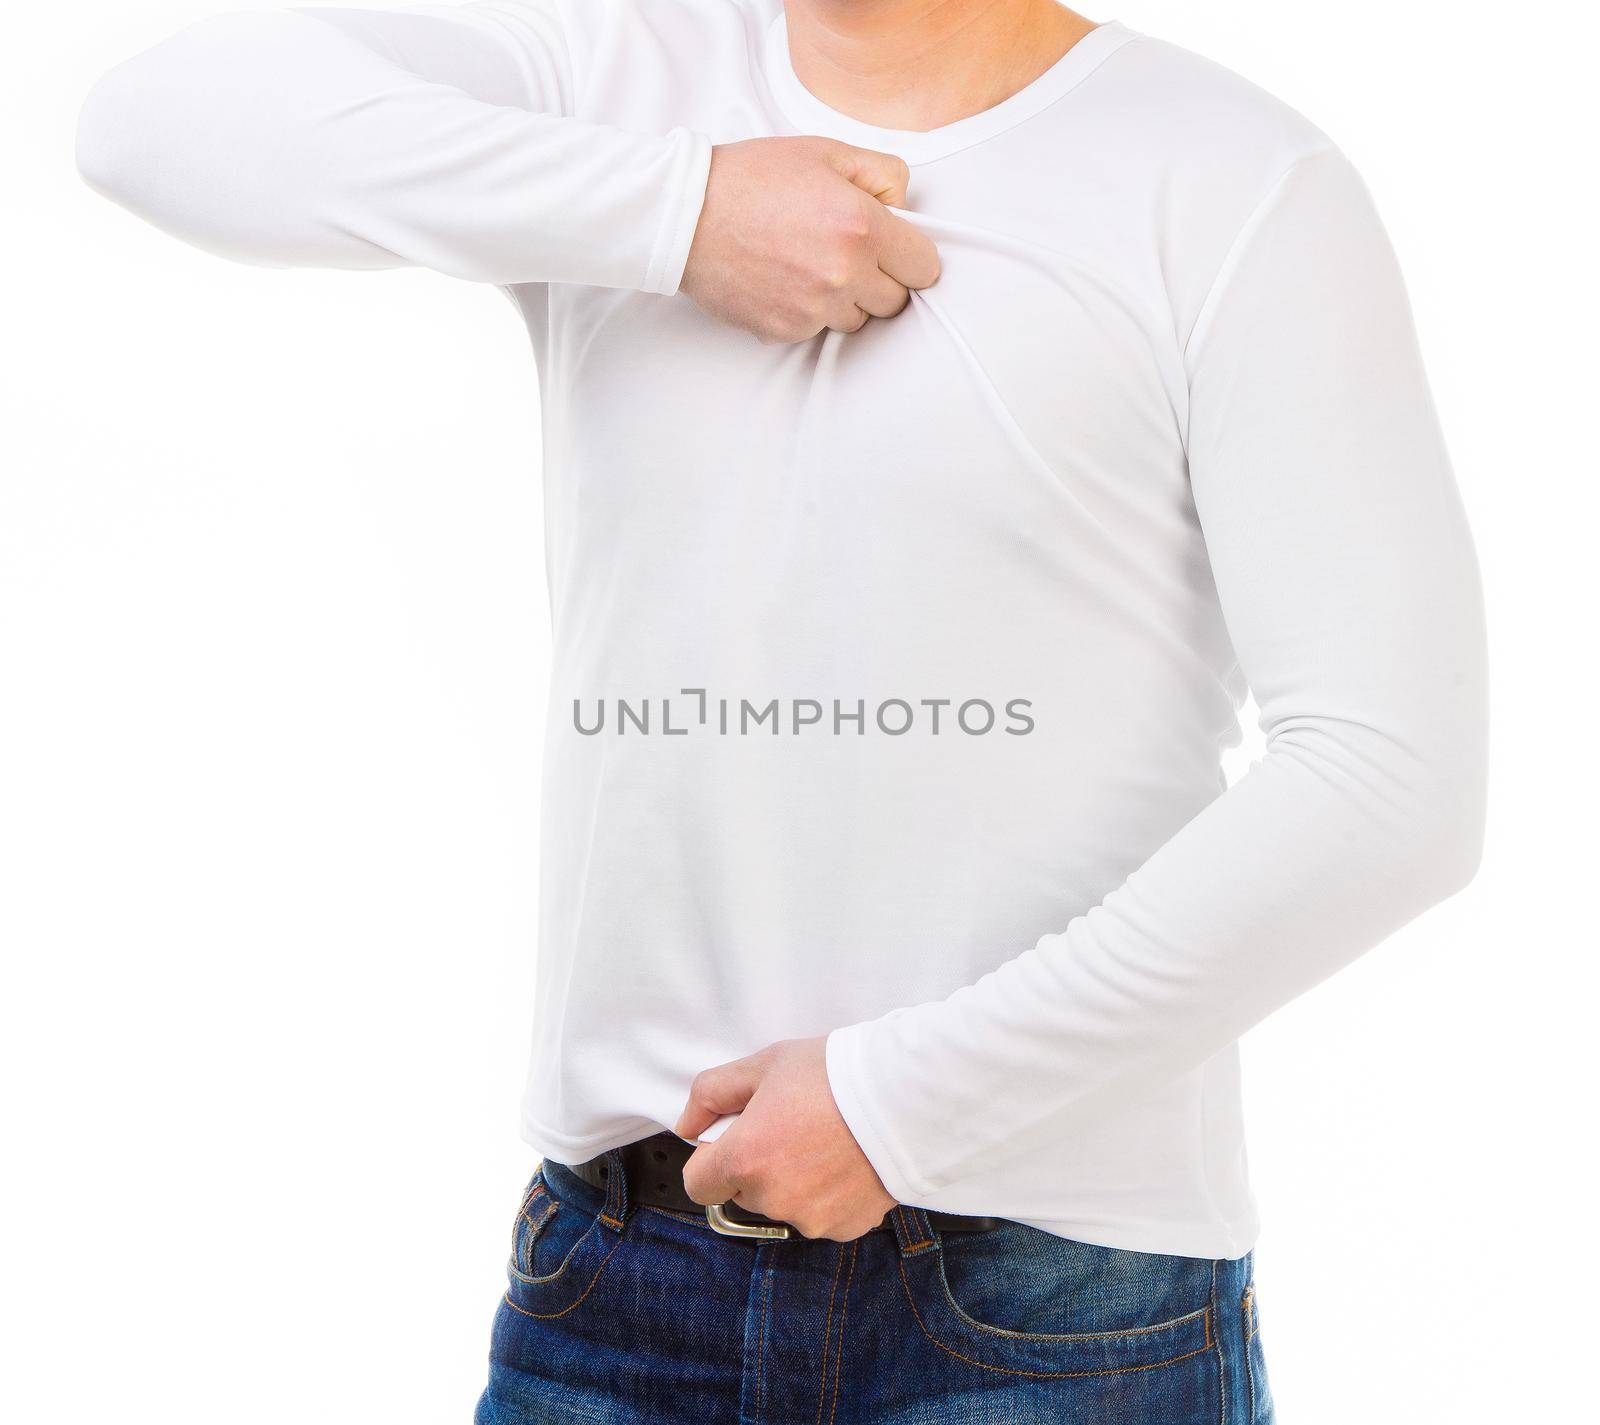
(1204, 148)
(1199, 124)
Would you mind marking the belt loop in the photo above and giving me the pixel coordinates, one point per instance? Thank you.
(615, 1212)
(913, 1232)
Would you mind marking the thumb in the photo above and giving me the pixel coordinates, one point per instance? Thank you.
(715, 1092)
(706, 1177)
(881, 174)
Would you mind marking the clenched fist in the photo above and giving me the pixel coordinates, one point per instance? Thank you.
(796, 236)
(790, 1154)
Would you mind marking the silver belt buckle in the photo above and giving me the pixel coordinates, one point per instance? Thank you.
(721, 1223)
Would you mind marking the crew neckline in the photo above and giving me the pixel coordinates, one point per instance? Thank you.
(810, 115)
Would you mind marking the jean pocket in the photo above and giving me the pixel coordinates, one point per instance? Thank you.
(558, 1250)
(1020, 1300)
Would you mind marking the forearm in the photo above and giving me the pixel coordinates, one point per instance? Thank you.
(1317, 855)
(1346, 573)
(290, 139)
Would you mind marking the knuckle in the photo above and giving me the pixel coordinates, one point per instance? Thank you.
(854, 225)
(850, 221)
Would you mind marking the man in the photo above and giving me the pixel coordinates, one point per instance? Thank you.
(887, 853)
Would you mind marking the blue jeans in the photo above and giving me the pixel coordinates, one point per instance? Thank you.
(619, 1312)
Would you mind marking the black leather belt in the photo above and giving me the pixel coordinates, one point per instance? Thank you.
(653, 1171)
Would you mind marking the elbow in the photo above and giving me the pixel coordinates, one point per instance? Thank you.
(1439, 846)
(1451, 858)
(109, 155)
(1407, 795)
(141, 142)
(1405, 813)
(176, 136)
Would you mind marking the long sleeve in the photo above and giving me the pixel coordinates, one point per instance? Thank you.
(439, 137)
(1349, 585)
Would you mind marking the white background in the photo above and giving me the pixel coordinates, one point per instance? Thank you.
(272, 649)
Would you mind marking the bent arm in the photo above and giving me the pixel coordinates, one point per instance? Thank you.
(1349, 584)
(440, 137)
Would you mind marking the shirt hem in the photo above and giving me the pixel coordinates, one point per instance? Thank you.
(568, 1149)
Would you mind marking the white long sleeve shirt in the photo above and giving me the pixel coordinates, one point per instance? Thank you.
(892, 670)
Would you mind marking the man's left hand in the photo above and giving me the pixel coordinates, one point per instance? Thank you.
(790, 1156)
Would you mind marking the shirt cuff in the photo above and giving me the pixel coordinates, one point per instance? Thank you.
(848, 1062)
(687, 175)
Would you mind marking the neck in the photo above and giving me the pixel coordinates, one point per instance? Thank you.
(921, 64)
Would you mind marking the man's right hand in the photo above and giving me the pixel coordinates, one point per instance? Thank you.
(796, 235)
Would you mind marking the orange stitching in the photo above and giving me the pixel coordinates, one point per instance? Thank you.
(918, 1245)
(1078, 1337)
(844, 1310)
(761, 1343)
(672, 1213)
(827, 1331)
(544, 1216)
(552, 1315)
(1248, 1302)
(534, 1189)
(610, 1221)
(527, 1202)
(1043, 1375)
(524, 1259)
(1222, 1365)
